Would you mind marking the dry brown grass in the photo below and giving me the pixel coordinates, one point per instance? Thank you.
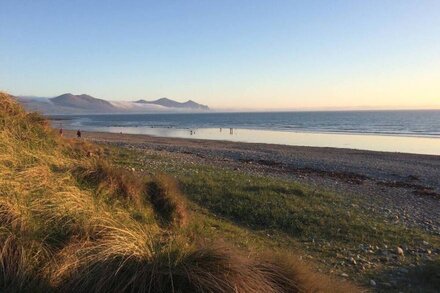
(20, 263)
(81, 149)
(8, 107)
(13, 215)
(112, 181)
(135, 263)
(168, 201)
(293, 275)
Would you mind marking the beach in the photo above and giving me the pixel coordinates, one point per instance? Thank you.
(402, 188)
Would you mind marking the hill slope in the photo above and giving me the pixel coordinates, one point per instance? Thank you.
(68, 104)
(86, 104)
(173, 104)
(83, 102)
(70, 221)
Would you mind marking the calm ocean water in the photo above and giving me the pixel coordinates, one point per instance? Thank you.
(402, 131)
(402, 123)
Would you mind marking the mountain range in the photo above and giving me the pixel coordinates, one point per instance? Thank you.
(86, 104)
(173, 104)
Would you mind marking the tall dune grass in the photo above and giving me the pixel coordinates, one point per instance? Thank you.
(20, 265)
(168, 201)
(112, 181)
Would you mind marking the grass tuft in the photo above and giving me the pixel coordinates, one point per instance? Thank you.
(20, 265)
(168, 201)
(101, 267)
(290, 274)
(110, 180)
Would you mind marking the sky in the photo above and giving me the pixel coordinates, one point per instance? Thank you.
(241, 54)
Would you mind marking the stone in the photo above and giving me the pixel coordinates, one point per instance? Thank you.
(399, 251)
(344, 275)
(373, 283)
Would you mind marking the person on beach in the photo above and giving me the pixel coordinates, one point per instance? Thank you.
(61, 131)
(78, 134)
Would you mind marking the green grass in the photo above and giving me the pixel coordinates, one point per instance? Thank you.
(262, 202)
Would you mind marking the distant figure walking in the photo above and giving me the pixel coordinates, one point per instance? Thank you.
(231, 130)
(78, 134)
(61, 131)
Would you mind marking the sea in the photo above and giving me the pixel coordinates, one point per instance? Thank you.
(390, 131)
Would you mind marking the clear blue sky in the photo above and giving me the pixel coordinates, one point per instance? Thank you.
(246, 54)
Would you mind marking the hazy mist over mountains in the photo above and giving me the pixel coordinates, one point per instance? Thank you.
(86, 104)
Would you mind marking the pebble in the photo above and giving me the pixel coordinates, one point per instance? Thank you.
(373, 283)
(403, 271)
(387, 285)
(399, 251)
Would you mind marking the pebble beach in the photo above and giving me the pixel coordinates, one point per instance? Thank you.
(404, 188)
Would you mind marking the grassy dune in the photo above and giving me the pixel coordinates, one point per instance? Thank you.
(71, 221)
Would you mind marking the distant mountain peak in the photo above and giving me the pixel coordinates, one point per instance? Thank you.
(166, 102)
(82, 101)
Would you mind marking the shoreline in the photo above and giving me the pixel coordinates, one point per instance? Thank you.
(283, 130)
(138, 137)
(420, 145)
